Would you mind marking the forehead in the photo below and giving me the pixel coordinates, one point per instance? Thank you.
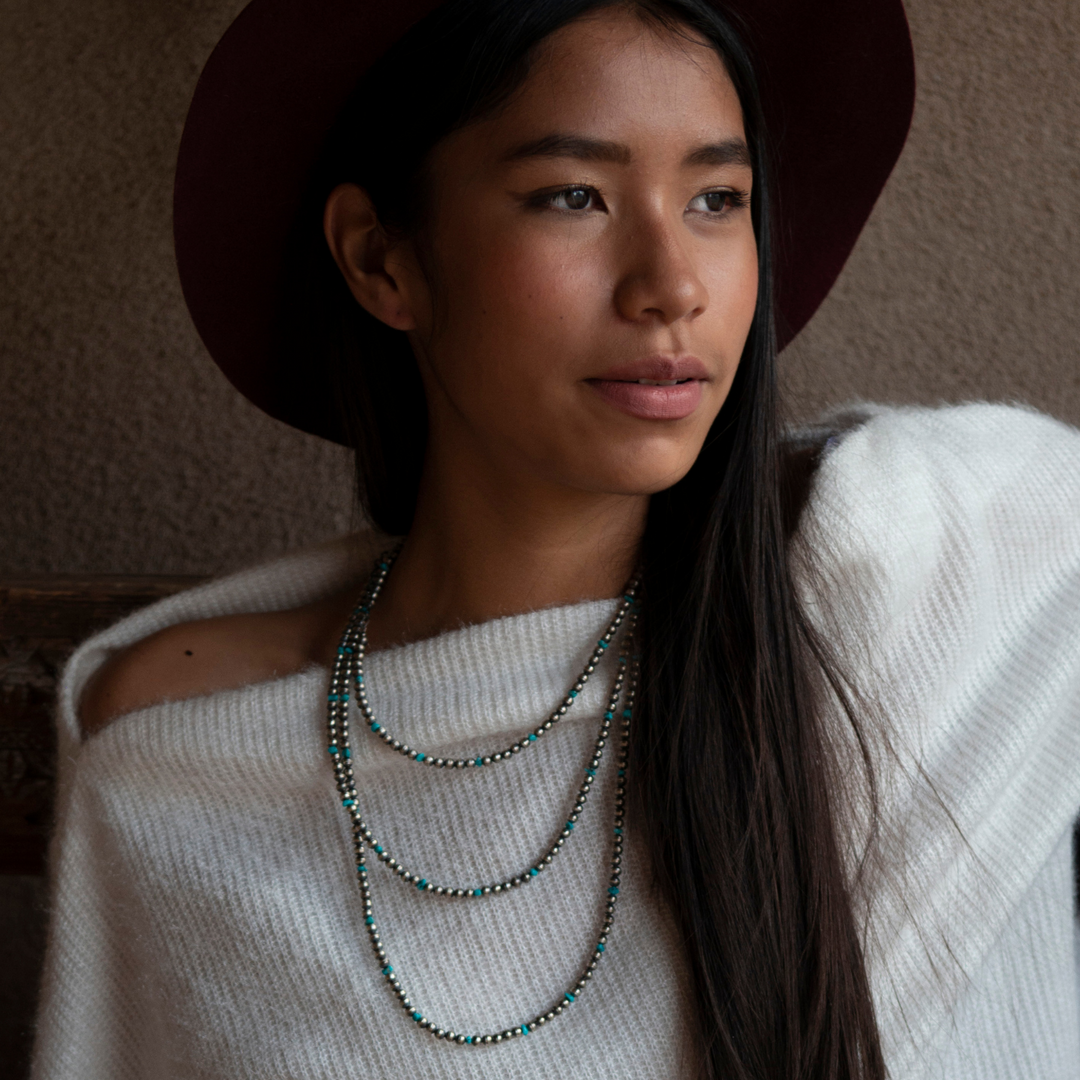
(616, 75)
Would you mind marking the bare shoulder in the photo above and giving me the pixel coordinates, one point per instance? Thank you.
(210, 655)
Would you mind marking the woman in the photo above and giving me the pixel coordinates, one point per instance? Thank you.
(795, 803)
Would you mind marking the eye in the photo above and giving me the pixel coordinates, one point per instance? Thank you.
(716, 202)
(574, 198)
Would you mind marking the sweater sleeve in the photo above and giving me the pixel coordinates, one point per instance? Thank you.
(95, 1016)
(948, 571)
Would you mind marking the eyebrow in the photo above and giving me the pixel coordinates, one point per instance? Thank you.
(732, 151)
(726, 152)
(572, 146)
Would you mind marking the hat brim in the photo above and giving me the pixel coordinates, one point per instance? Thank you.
(838, 86)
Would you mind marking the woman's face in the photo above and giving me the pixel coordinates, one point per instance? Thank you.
(592, 266)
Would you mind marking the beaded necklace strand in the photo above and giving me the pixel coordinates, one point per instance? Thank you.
(349, 669)
(354, 645)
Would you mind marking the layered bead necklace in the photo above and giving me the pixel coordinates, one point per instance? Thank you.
(347, 683)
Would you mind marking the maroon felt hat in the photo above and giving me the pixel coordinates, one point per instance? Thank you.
(838, 83)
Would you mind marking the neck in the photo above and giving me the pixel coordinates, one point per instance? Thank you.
(485, 548)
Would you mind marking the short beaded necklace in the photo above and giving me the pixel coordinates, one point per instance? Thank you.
(349, 672)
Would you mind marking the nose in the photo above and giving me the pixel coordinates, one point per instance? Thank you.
(660, 281)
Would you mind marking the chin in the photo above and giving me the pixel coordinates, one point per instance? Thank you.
(645, 475)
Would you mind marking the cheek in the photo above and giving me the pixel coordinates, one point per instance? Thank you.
(732, 284)
(522, 287)
(515, 312)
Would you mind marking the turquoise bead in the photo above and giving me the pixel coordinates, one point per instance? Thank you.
(478, 762)
(569, 997)
(599, 946)
(417, 1017)
(478, 892)
(532, 738)
(369, 921)
(348, 752)
(420, 757)
(613, 891)
(533, 872)
(421, 883)
(524, 1029)
(386, 970)
(570, 825)
(332, 749)
(348, 802)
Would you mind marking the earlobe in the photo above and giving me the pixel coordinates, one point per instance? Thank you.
(362, 251)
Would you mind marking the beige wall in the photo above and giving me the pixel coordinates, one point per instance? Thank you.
(124, 450)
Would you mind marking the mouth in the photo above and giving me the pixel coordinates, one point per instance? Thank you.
(656, 388)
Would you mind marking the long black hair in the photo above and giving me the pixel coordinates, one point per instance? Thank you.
(732, 776)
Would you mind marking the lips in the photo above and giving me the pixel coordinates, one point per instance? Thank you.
(654, 388)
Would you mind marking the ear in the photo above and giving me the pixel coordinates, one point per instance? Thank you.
(372, 266)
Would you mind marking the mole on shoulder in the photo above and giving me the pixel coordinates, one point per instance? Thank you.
(188, 652)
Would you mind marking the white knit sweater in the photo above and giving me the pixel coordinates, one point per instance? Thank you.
(206, 921)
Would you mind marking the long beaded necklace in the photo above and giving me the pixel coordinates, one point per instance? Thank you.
(349, 673)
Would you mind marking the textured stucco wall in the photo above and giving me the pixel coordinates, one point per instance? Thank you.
(123, 449)
(966, 282)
